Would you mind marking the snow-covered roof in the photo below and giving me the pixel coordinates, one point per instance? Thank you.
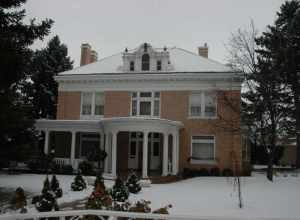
(180, 59)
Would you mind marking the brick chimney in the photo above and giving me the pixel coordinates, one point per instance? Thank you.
(203, 51)
(94, 56)
(85, 54)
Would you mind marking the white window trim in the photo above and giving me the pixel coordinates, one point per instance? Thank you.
(202, 116)
(92, 115)
(199, 161)
(139, 99)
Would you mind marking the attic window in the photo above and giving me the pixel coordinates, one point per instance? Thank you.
(131, 66)
(145, 47)
(158, 65)
(145, 62)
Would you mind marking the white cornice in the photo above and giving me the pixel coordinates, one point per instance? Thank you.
(161, 82)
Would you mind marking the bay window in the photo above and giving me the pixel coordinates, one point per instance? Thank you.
(145, 104)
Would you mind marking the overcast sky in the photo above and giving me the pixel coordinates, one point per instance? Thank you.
(110, 26)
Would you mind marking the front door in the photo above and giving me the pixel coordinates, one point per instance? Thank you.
(135, 148)
(154, 146)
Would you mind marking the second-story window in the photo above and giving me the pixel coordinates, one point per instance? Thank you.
(99, 103)
(131, 66)
(145, 104)
(145, 62)
(92, 104)
(158, 65)
(86, 103)
(202, 105)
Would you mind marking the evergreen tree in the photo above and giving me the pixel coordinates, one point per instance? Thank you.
(99, 179)
(78, 184)
(287, 55)
(46, 202)
(133, 184)
(16, 37)
(54, 186)
(119, 191)
(46, 64)
(267, 104)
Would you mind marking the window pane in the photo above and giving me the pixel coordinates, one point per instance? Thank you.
(157, 94)
(87, 103)
(203, 151)
(134, 107)
(145, 94)
(134, 95)
(145, 62)
(210, 104)
(195, 104)
(131, 66)
(158, 65)
(156, 108)
(145, 108)
(99, 103)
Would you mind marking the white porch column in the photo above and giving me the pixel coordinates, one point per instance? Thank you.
(46, 144)
(114, 155)
(174, 154)
(165, 155)
(73, 142)
(145, 155)
(106, 148)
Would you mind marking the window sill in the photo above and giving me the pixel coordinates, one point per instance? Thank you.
(91, 117)
(208, 162)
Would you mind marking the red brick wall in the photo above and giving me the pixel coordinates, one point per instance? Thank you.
(174, 106)
(117, 104)
(68, 105)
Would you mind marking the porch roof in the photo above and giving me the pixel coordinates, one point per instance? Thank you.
(115, 124)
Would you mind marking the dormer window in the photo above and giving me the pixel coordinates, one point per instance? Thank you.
(145, 62)
(131, 66)
(158, 65)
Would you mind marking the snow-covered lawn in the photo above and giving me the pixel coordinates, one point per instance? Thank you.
(203, 196)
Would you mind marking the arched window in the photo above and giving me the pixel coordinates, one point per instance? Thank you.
(145, 62)
(131, 66)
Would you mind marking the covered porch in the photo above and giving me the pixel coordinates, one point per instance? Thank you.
(150, 146)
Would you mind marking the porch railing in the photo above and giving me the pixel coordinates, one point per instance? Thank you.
(113, 215)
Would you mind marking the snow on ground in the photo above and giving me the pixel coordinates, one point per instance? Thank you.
(202, 196)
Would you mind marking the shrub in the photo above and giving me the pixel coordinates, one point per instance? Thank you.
(78, 184)
(215, 171)
(133, 184)
(119, 191)
(227, 172)
(86, 168)
(54, 186)
(203, 172)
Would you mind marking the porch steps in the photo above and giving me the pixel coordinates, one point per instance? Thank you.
(164, 179)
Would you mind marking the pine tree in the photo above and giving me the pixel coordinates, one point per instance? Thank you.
(46, 64)
(133, 184)
(287, 56)
(16, 37)
(119, 191)
(54, 186)
(78, 184)
(46, 202)
(99, 179)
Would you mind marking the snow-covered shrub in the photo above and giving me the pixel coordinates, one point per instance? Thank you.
(47, 200)
(163, 210)
(54, 186)
(141, 206)
(119, 191)
(133, 184)
(100, 198)
(78, 184)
